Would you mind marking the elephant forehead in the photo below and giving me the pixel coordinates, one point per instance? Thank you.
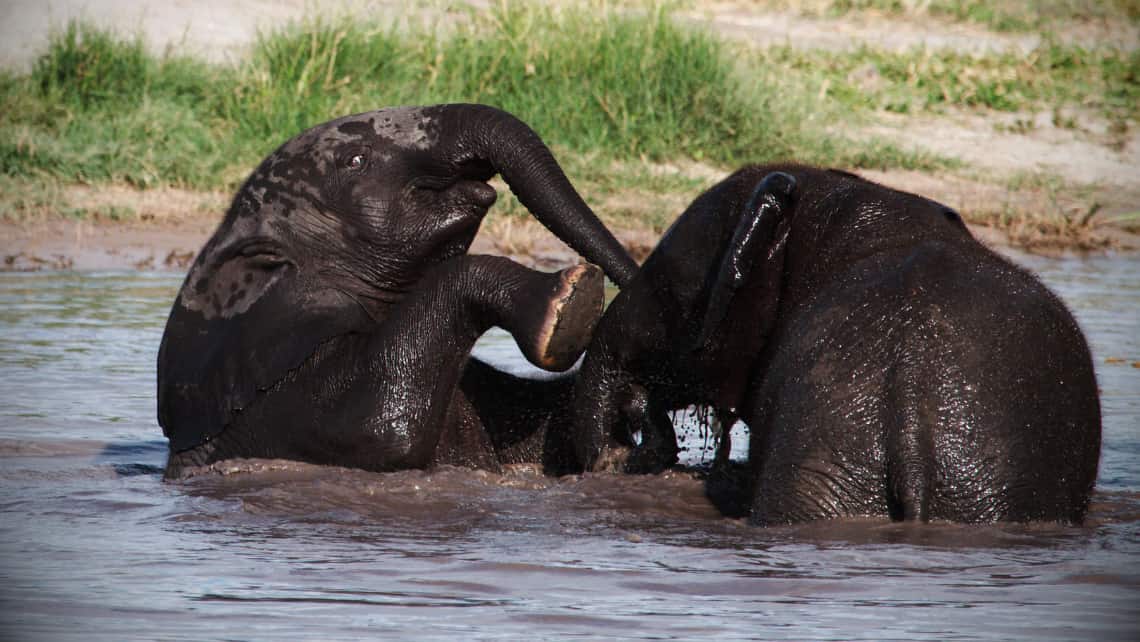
(404, 127)
(408, 128)
(298, 168)
(277, 192)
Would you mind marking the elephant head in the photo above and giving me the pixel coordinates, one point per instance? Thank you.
(687, 328)
(335, 227)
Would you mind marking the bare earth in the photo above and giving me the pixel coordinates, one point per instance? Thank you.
(170, 225)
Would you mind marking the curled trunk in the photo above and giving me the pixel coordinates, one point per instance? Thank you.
(513, 149)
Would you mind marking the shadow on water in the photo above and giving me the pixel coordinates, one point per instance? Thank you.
(124, 457)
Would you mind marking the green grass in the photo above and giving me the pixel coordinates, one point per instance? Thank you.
(99, 108)
(998, 15)
(1032, 15)
(609, 91)
(1050, 77)
(617, 87)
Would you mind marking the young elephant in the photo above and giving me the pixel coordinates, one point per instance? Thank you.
(896, 367)
(686, 330)
(913, 373)
(330, 316)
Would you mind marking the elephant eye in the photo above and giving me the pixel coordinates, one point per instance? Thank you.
(356, 159)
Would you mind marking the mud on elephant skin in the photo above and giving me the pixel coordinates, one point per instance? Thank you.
(903, 369)
(330, 315)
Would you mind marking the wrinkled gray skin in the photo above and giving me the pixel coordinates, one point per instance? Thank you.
(686, 330)
(330, 316)
(908, 372)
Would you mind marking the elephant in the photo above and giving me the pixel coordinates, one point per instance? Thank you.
(330, 316)
(686, 329)
(886, 363)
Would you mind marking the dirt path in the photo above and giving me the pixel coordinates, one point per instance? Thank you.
(221, 30)
(171, 243)
(995, 146)
(156, 240)
(741, 19)
(217, 30)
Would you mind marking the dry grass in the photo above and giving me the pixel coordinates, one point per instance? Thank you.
(513, 235)
(998, 15)
(1034, 212)
(30, 200)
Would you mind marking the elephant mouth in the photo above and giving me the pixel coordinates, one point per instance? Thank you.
(465, 204)
(464, 191)
(477, 193)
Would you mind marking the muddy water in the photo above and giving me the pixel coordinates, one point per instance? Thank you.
(94, 546)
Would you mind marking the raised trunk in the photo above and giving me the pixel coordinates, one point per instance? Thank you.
(486, 134)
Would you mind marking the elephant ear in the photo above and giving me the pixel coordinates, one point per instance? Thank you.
(243, 319)
(757, 243)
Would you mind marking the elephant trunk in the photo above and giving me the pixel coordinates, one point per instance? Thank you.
(600, 389)
(514, 150)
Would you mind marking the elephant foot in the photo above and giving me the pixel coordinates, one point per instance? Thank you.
(574, 308)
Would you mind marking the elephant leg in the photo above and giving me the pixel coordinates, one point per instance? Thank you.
(420, 350)
(729, 484)
(658, 448)
(389, 399)
(464, 441)
(553, 335)
(527, 420)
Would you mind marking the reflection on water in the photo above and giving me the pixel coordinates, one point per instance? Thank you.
(94, 546)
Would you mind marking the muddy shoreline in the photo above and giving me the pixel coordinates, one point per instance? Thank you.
(170, 244)
(1079, 194)
(57, 242)
(92, 244)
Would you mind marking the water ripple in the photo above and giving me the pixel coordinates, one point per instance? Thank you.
(94, 545)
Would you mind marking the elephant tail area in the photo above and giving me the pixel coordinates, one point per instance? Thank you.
(997, 417)
(527, 420)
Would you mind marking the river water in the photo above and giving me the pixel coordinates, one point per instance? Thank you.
(94, 546)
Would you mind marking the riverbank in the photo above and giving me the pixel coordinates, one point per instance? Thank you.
(167, 227)
(118, 150)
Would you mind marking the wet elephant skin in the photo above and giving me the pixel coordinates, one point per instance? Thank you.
(686, 330)
(908, 372)
(329, 316)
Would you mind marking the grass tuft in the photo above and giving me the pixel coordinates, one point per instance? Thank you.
(920, 80)
(620, 86)
(642, 111)
(85, 67)
(998, 15)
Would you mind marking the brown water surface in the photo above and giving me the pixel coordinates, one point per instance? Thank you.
(93, 545)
